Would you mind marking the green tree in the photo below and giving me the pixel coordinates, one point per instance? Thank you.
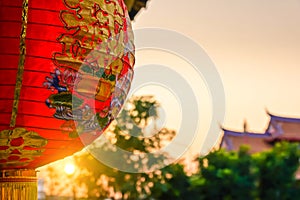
(175, 185)
(277, 172)
(225, 175)
(239, 175)
(131, 132)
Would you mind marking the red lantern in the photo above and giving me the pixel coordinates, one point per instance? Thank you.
(65, 71)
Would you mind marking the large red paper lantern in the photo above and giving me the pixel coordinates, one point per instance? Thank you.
(65, 70)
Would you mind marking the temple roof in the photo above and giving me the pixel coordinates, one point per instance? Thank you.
(279, 128)
(232, 140)
(283, 119)
(284, 128)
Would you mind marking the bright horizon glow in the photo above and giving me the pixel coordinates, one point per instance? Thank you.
(69, 168)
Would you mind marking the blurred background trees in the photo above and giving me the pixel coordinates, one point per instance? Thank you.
(131, 132)
(239, 175)
(219, 175)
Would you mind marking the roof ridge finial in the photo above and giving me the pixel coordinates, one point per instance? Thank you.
(245, 126)
(267, 111)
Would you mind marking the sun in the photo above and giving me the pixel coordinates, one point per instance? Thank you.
(69, 168)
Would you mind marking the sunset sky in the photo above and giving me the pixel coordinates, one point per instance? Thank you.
(254, 44)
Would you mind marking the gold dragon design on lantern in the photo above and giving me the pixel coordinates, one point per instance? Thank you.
(90, 82)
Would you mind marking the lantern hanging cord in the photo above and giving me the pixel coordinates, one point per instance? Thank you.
(21, 63)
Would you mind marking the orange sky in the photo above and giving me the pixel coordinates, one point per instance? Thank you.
(255, 45)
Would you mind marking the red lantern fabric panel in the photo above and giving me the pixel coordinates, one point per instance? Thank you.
(77, 73)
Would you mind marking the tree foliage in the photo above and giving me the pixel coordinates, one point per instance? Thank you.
(225, 175)
(131, 132)
(238, 175)
(277, 172)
